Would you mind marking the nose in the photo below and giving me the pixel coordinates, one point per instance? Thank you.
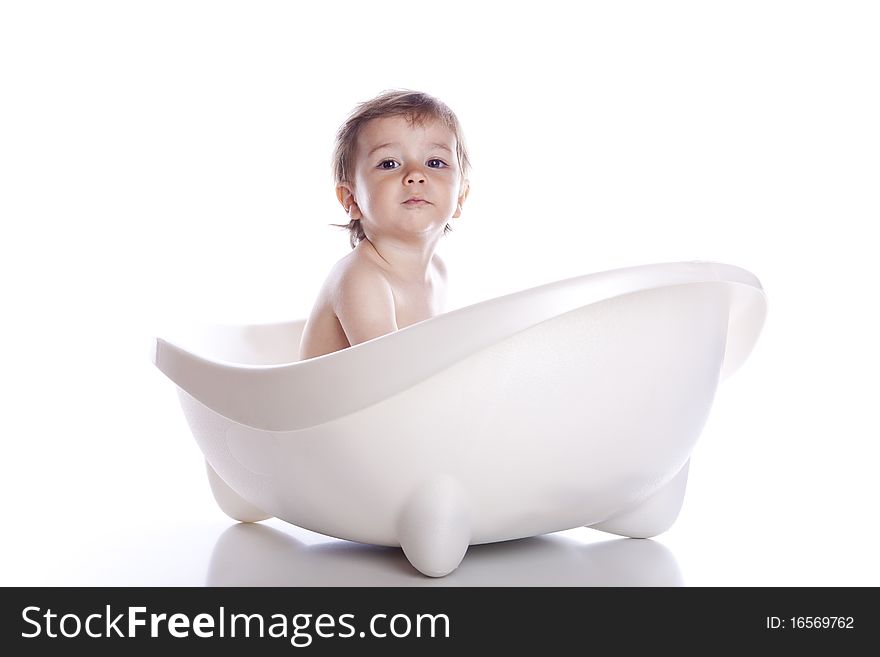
(415, 175)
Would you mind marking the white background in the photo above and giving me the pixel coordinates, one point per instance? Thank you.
(166, 162)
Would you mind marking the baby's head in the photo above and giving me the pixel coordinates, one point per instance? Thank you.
(396, 146)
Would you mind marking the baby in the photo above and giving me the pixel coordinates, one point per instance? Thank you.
(401, 171)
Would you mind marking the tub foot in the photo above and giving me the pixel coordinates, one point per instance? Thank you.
(433, 529)
(230, 502)
(653, 516)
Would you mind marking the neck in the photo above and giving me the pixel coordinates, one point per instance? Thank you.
(408, 261)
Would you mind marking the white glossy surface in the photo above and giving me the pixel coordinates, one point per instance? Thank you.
(575, 403)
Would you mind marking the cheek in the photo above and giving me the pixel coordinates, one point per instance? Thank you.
(379, 188)
(454, 190)
(367, 193)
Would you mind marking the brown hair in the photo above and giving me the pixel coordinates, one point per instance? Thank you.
(414, 105)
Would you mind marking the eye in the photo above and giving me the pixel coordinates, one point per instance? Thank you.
(439, 166)
(384, 162)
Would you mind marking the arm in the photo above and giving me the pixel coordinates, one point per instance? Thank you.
(364, 305)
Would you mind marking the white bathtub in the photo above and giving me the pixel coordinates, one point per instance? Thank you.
(569, 404)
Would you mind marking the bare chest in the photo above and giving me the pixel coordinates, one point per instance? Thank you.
(416, 303)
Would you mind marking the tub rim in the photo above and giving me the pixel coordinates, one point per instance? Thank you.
(285, 397)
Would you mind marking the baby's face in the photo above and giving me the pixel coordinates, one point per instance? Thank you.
(396, 161)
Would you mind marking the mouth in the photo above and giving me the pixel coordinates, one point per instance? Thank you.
(416, 201)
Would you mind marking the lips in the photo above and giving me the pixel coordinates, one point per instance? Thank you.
(416, 201)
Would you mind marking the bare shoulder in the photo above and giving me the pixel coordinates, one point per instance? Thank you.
(353, 275)
(343, 312)
(358, 278)
(362, 299)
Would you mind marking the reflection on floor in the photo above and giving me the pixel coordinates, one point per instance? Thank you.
(258, 555)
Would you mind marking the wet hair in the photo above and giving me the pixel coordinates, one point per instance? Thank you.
(416, 106)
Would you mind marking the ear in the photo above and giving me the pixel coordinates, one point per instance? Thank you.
(345, 194)
(465, 190)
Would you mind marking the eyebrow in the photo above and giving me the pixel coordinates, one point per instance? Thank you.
(394, 143)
